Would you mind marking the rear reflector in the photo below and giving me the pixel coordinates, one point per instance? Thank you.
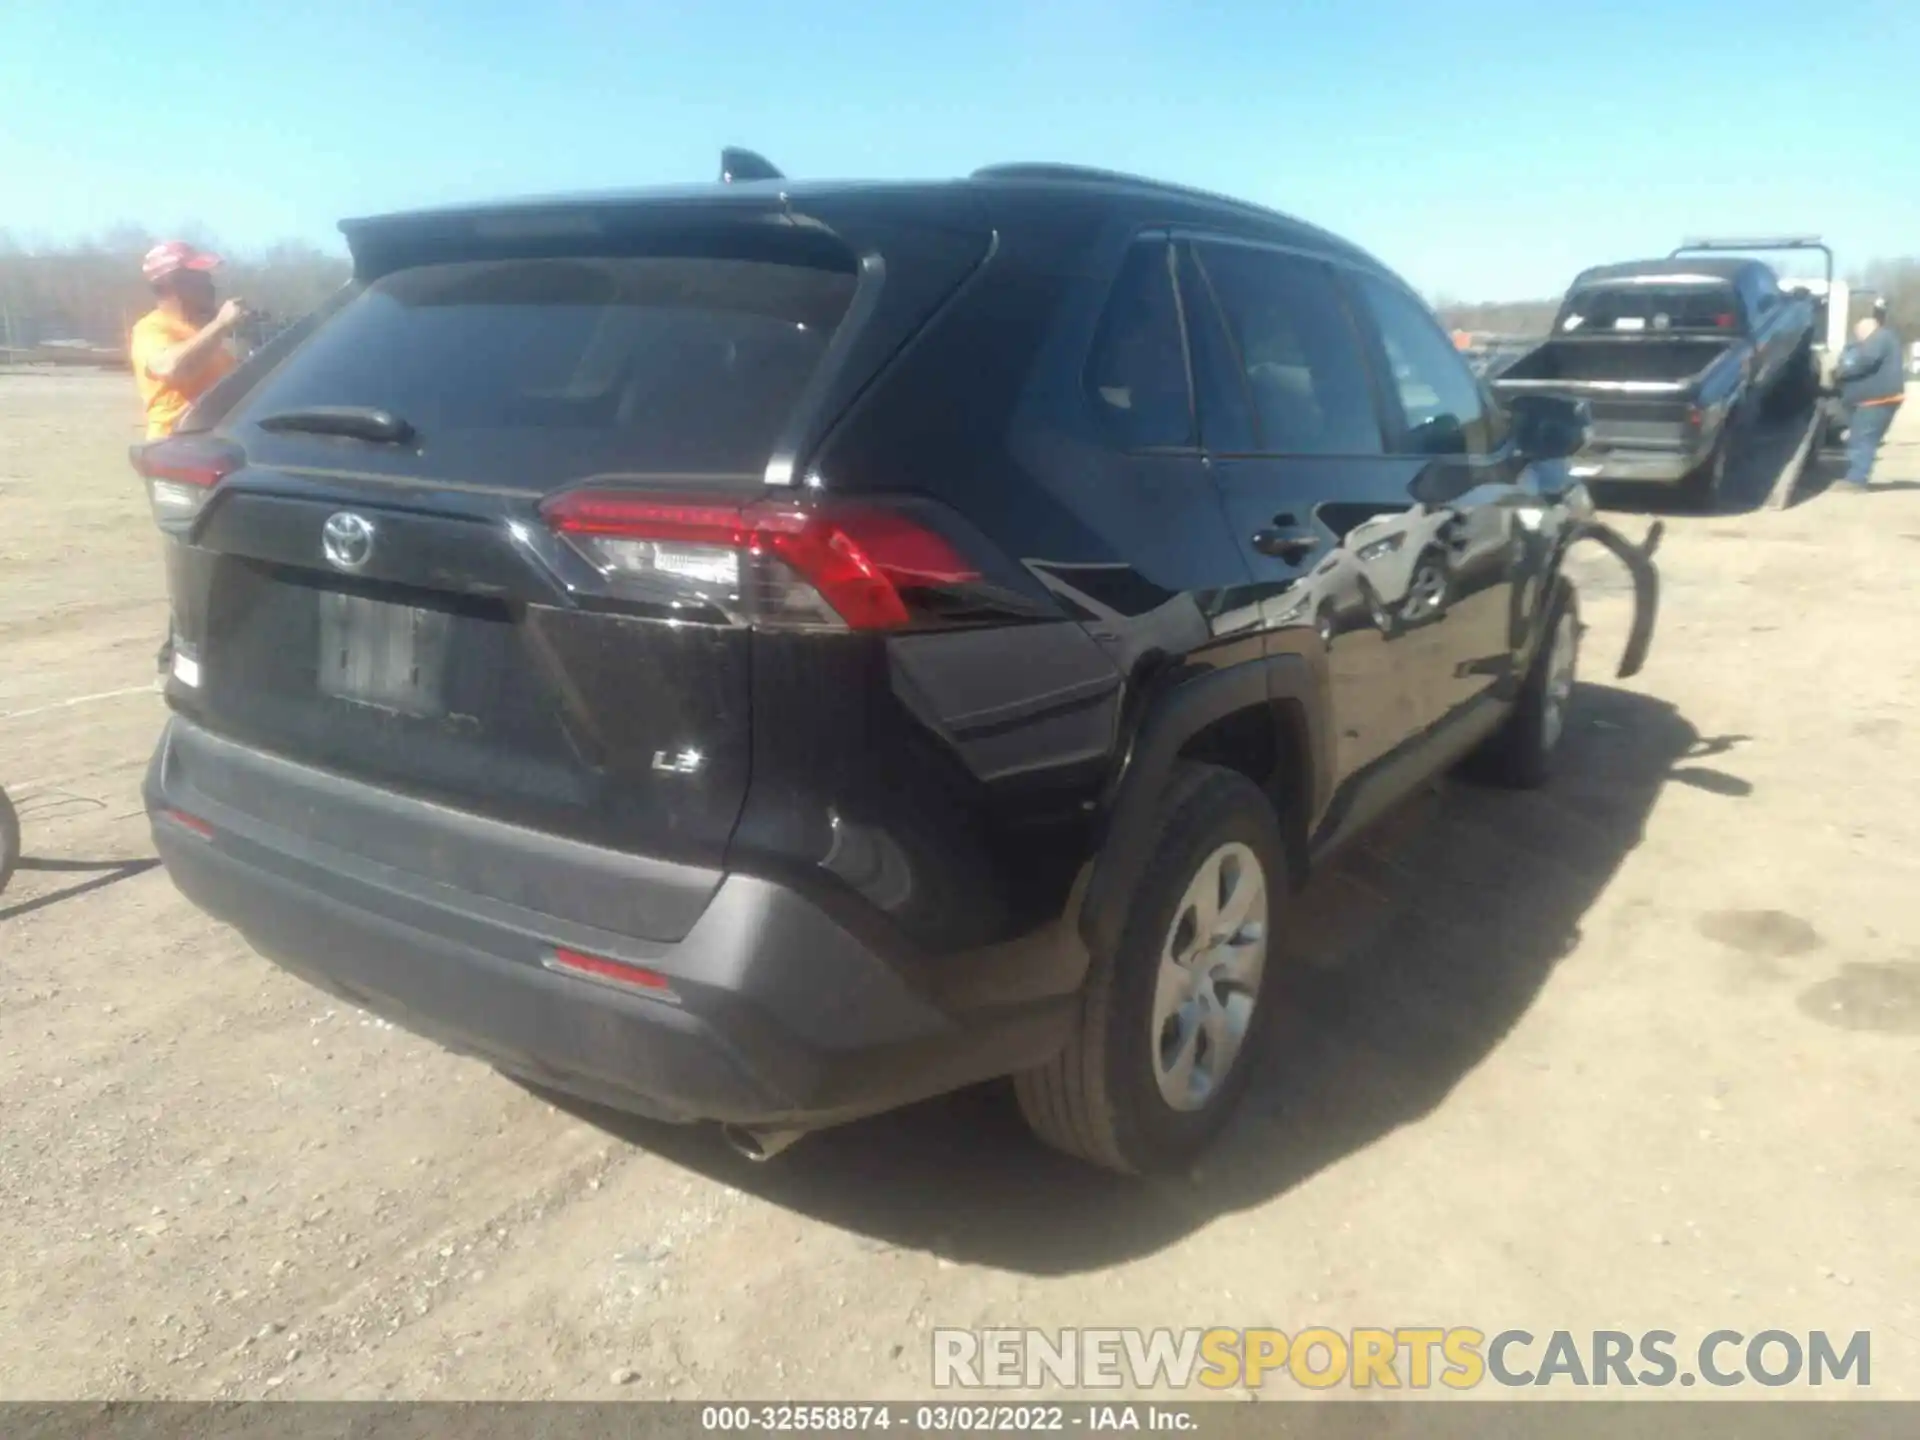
(190, 822)
(598, 967)
(771, 563)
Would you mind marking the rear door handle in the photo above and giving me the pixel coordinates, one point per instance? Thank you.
(1292, 546)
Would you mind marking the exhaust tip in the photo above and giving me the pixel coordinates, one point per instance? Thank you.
(758, 1145)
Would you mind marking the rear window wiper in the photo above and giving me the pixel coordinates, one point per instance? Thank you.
(356, 422)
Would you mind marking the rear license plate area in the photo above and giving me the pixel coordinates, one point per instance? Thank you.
(386, 656)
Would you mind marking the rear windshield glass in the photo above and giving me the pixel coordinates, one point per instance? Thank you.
(528, 373)
(1629, 307)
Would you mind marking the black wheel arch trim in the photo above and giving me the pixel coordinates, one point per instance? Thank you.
(1271, 684)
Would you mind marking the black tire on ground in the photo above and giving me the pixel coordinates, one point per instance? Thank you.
(1705, 487)
(1520, 754)
(1833, 426)
(1798, 385)
(9, 839)
(1101, 1099)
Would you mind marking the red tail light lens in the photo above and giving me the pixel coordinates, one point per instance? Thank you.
(182, 472)
(190, 822)
(617, 972)
(774, 563)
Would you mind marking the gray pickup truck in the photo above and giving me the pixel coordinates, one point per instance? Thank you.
(1670, 355)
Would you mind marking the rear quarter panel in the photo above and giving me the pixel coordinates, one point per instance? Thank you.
(954, 788)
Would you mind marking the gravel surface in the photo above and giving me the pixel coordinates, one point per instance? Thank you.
(1675, 1084)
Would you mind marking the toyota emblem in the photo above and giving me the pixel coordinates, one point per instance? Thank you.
(347, 540)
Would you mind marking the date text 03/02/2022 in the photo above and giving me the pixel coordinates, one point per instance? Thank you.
(941, 1419)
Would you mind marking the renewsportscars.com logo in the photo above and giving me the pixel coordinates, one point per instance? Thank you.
(1412, 1358)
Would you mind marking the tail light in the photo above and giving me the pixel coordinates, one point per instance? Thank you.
(1694, 417)
(772, 563)
(182, 472)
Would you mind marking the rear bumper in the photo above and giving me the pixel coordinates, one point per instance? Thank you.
(777, 1016)
(1643, 467)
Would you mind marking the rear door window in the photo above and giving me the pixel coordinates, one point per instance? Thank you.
(528, 373)
(1137, 376)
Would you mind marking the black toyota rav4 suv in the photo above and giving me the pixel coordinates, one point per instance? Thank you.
(769, 652)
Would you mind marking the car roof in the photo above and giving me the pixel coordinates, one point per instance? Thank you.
(1157, 201)
(996, 195)
(1714, 267)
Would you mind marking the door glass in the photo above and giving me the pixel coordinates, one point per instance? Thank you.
(1295, 349)
(1219, 379)
(1137, 373)
(1445, 409)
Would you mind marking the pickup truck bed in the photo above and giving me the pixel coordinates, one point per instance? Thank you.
(1610, 365)
(1644, 395)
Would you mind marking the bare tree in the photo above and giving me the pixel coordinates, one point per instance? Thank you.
(1499, 317)
(92, 291)
(1898, 281)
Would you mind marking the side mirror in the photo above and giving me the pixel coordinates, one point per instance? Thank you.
(1550, 427)
(1441, 435)
(1440, 483)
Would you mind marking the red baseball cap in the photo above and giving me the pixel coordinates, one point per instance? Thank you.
(171, 256)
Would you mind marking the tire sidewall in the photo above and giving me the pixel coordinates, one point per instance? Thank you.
(1702, 489)
(9, 839)
(1224, 809)
(1566, 607)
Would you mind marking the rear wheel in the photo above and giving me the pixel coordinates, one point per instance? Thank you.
(1797, 386)
(1705, 487)
(1833, 427)
(9, 839)
(1170, 1023)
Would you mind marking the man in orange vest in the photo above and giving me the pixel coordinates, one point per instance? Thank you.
(179, 348)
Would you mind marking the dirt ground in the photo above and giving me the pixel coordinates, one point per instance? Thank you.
(1676, 1086)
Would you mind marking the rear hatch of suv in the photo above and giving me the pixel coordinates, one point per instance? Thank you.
(391, 559)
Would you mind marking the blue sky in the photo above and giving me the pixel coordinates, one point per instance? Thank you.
(1486, 149)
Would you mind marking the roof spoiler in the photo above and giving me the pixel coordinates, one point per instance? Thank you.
(737, 164)
(1706, 243)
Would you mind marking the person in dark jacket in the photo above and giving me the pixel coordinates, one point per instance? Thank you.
(1872, 384)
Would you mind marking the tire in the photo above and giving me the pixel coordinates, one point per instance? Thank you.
(1703, 488)
(1795, 386)
(1833, 427)
(1429, 589)
(9, 839)
(1520, 754)
(1105, 1098)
